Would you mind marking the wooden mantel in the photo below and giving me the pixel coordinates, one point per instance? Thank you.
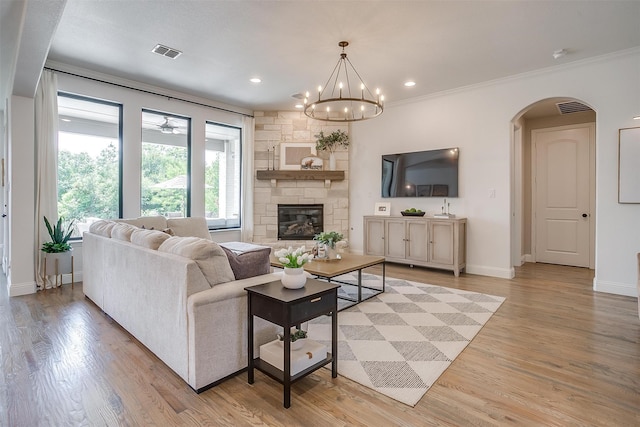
(275, 175)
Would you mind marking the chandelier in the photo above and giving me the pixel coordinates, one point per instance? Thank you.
(340, 103)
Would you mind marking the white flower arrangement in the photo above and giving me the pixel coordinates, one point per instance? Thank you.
(293, 258)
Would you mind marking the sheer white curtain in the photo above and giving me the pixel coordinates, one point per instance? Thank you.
(248, 126)
(46, 133)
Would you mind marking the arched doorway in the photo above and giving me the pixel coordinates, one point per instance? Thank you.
(549, 223)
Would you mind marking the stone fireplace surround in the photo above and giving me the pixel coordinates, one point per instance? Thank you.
(273, 128)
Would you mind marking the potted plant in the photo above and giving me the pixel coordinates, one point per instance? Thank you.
(292, 261)
(330, 143)
(297, 336)
(329, 240)
(58, 250)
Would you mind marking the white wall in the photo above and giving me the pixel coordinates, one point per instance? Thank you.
(21, 182)
(478, 120)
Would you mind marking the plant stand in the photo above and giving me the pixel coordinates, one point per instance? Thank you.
(57, 273)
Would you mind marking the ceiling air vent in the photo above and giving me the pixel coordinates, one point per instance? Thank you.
(572, 107)
(166, 51)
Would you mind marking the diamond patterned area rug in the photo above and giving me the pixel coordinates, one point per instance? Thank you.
(399, 342)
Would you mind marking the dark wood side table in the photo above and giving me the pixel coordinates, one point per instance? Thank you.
(290, 307)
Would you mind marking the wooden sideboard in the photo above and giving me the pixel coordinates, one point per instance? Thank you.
(424, 241)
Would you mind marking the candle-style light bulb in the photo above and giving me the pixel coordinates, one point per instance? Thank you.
(340, 89)
(362, 90)
(319, 92)
(306, 94)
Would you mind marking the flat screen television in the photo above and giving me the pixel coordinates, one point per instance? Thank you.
(432, 173)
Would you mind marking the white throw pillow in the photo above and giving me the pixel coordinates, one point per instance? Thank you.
(151, 239)
(148, 222)
(102, 228)
(206, 253)
(122, 231)
(190, 227)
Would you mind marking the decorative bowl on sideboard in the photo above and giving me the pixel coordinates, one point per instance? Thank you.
(412, 213)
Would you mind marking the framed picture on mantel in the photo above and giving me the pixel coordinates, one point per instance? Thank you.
(292, 153)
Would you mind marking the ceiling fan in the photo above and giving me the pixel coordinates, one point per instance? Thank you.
(167, 127)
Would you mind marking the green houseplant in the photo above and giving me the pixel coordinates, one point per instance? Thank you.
(57, 253)
(298, 336)
(329, 238)
(60, 236)
(331, 142)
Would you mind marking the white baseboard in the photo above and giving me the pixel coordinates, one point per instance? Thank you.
(504, 273)
(626, 289)
(17, 289)
(528, 258)
(26, 288)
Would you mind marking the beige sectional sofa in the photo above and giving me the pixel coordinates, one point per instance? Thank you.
(177, 295)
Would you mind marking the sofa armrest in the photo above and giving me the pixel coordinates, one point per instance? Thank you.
(217, 324)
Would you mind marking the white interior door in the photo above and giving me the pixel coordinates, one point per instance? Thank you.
(562, 195)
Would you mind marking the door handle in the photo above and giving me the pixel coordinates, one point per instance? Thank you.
(584, 215)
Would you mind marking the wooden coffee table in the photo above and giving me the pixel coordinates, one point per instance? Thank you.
(347, 264)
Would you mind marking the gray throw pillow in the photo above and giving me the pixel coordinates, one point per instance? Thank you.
(249, 264)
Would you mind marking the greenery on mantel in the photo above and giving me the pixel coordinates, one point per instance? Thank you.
(331, 142)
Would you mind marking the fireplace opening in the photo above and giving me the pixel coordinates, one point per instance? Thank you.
(299, 222)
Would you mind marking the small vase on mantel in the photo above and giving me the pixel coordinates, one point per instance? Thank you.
(293, 278)
(332, 161)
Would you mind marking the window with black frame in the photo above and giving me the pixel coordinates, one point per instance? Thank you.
(165, 166)
(223, 166)
(89, 160)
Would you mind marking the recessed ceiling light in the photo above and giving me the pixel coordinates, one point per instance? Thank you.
(559, 53)
(255, 80)
(636, 118)
(299, 105)
(66, 120)
(410, 83)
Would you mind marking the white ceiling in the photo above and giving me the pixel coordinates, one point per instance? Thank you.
(293, 45)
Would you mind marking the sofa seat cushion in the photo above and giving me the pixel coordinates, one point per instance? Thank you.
(190, 227)
(102, 228)
(122, 231)
(206, 253)
(151, 239)
(249, 264)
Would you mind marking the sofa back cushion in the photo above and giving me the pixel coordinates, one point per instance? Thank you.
(102, 228)
(151, 239)
(206, 253)
(122, 231)
(189, 227)
(147, 222)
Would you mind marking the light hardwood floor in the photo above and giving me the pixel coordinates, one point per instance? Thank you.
(554, 354)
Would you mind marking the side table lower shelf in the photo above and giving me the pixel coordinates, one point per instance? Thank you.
(278, 375)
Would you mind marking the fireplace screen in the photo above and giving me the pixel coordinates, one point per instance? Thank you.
(299, 222)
